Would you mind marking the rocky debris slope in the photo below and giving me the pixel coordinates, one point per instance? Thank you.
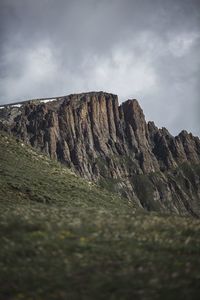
(113, 144)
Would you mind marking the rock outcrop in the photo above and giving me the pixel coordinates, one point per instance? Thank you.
(112, 144)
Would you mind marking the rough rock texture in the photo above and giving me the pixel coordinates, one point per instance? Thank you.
(115, 146)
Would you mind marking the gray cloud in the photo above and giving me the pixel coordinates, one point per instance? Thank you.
(138, 49)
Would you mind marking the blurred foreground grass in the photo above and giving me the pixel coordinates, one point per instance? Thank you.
(64, 238)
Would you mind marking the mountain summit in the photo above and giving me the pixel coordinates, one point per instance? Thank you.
(113, 144)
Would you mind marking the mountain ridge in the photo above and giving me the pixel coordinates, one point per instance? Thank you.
(114, 145)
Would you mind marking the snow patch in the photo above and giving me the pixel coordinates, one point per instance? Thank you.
(47, 100)
(16, 105)
(1, 107)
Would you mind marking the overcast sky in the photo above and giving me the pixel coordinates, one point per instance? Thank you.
(144, 49)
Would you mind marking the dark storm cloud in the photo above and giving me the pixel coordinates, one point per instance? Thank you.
(138, 49)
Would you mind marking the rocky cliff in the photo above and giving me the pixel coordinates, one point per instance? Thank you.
(113, 145)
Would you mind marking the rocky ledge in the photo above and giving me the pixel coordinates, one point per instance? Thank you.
(113, 144)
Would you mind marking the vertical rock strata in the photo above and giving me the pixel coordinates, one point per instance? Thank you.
(114, 145)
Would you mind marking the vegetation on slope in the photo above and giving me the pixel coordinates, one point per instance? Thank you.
(27, 175)
(64, 238)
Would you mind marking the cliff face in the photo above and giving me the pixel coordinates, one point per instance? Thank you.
(114, 145)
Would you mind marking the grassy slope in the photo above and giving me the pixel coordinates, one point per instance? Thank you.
(63, 238)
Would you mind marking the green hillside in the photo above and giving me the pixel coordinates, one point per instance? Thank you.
(65, 238)
(28, 176)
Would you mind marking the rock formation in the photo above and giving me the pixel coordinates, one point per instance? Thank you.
(112, 144)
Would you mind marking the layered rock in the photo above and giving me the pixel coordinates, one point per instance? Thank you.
(113, 144)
